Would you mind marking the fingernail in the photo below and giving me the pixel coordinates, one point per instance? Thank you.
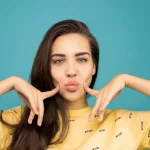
(90, 119)
(29, 121)
(39, 122)
(101, 118)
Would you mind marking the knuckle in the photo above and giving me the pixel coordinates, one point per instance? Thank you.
(31, 117)
(93, 112)
(95, 109)
(40, 114)
(40, 117)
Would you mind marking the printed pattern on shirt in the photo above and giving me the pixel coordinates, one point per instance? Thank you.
(113, 128)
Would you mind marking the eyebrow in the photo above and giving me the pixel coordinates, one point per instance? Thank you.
(77, 54)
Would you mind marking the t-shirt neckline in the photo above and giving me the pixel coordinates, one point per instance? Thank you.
(78, 112)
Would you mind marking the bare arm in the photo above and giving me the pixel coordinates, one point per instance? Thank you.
(6, 85)
(31, 96)
(138, 84)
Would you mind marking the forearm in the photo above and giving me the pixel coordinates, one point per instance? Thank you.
(6, 85)
(138, 84)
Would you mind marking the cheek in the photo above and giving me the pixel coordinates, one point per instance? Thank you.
(56, 77)
(88, 78)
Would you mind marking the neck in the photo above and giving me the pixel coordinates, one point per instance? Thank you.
(76, 104)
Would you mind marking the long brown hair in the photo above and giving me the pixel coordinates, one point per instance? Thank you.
(31, 136)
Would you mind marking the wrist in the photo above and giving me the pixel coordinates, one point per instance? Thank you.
(13, 81)
(125, 78)
(122, 78)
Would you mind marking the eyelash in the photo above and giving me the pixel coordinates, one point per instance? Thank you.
(58, 60)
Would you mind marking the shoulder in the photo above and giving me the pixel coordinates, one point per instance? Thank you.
(12, 115)
(131, 115)
(132, 124)
(124, 112)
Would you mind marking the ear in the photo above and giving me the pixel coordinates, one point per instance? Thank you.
(94, 69)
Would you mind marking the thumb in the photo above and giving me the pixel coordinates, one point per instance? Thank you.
(51, 93)
(90, 91)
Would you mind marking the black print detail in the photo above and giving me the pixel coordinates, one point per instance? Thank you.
(118, 119)
(149, 133)
(95, 148)
(96, 115)
(14, 111)
(141, 125)
(130, 115)
(102, 130)
(119, 134)
(72, 120)
(88, 131)
(51, 146)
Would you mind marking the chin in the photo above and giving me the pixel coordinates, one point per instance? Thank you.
(72, 96)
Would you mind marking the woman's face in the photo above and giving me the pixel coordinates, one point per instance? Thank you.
(71, 65)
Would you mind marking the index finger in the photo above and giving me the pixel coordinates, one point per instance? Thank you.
(90, 91)
(51, 93)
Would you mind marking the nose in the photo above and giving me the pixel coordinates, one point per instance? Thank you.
(71, 70)
(71, 74)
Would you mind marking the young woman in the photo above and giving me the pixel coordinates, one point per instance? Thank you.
(56, 115)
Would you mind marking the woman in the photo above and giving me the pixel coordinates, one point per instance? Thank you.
(56, 115)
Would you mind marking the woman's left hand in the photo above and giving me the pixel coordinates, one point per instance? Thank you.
(105, 95)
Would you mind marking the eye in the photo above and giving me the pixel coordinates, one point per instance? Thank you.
(82, 60)
(58, 61)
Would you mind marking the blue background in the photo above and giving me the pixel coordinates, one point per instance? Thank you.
(122, 29)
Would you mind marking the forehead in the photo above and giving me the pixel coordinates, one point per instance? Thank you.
(71, 44)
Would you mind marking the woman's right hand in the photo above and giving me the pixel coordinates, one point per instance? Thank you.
(32, 97)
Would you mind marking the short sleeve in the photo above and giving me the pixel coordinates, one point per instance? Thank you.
(138, 124)
(11, 116)
(145, 142)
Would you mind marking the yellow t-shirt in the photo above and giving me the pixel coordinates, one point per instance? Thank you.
(120, 130)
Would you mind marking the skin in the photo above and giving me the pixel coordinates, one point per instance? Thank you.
(112, 90)
(71, 67)
(31, 96)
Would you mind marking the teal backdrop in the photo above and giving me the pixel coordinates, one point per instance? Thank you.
(122, 28)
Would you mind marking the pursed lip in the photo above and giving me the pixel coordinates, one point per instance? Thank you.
(72, 83)
(72, 86)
